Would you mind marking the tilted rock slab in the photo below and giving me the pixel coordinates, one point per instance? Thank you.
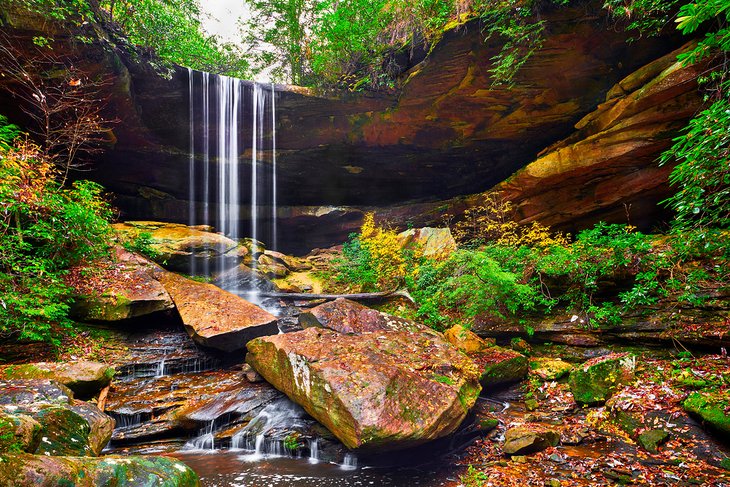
(216, 318)
(126, 289)
(347, 316)
(183, 248)
(386, 390)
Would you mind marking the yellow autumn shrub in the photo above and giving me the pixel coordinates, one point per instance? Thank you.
(385, 251)
(493, 221)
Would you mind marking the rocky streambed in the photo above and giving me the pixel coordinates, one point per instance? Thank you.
(338, 393)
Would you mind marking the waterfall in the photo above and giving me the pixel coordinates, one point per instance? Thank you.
(218, 187)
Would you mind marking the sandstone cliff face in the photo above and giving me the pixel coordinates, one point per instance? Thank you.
(607, 168)
(448, 132)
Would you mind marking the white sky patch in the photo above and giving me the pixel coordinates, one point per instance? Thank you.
(221, 18)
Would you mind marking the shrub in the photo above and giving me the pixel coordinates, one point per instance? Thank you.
(374, 259)
(44, 230)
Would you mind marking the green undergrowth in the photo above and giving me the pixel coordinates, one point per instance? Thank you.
(45, 230)
(605, 273)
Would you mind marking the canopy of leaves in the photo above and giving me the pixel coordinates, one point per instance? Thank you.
(351, 43)
(170, 28)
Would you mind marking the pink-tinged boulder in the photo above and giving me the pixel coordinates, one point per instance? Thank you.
(216, 318)
(346, 316)
(384, 390)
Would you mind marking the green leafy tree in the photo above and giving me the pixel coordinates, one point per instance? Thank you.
(278, 37)
(172, 29)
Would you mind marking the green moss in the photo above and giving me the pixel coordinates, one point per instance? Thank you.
(596, 381)
(710, 408)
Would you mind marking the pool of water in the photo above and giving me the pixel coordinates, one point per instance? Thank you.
(241, 469)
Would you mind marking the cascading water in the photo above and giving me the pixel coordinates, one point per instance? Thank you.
(217, 181)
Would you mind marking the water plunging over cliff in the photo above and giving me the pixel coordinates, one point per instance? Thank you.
(232, 126)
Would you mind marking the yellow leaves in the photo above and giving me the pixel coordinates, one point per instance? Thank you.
(494, 222)
(385, 251)
(25, 171)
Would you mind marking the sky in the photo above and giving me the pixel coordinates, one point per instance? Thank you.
(222, 18)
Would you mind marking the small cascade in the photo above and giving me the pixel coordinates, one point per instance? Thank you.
(126, 421)
(205, 439)
(349, 462)
(314, 450)
(160, 372)
(265, 434)
(218, 190)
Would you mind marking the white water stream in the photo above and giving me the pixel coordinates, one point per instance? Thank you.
(222, 110)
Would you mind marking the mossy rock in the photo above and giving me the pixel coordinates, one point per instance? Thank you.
(63, 432)
(18, 432)
(550, 368)
(84, 378)
(23, 470)
(500, 366)
(598, 379)
(711, 408)
(651, 439)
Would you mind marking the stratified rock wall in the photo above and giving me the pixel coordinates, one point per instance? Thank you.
(447, 132)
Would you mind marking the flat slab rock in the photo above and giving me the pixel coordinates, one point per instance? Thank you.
(126, 288)
(384, 390)
(216, 318)
(84, 378)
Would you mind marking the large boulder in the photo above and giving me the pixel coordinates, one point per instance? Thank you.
(216, 318)
(66, 426)
(346, 316)
(125, 288)
(596, 380)
(84, 378)
(435, 243)
(183, 248)
(382, 390)
(23, 470)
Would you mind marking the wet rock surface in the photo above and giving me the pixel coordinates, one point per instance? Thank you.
(216, 318)
(182, 248)
(385, 390)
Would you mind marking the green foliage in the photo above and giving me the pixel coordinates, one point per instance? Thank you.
(8, 133)
(703, 173)
(142, 244)
(474, 477)
(172, 29)
(467, 285)
(356, 265)
(44, 231)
